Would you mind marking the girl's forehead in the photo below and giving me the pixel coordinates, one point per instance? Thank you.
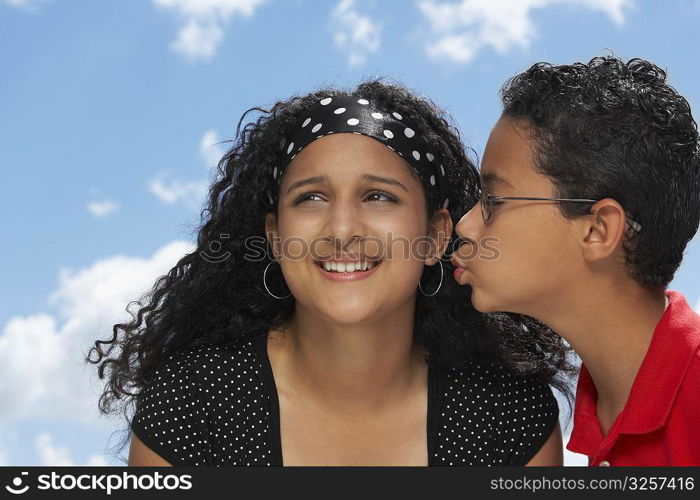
(347, 156)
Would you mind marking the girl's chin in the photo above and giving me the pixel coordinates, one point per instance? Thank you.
(344, 313)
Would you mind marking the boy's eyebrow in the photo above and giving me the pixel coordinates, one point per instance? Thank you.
(490, 179)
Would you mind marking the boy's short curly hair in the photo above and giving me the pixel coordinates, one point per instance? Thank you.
(615, 129)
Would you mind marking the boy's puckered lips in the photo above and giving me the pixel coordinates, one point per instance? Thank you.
(457, 262)
(460, 261)
(460, 266)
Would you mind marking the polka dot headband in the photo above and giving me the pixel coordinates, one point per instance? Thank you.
(360, 116)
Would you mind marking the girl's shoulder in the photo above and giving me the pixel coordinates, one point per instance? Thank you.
(185, 410)
(495, 384)
(490, 414)
(207, 360)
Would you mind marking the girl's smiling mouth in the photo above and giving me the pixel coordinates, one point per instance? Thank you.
(347, 270)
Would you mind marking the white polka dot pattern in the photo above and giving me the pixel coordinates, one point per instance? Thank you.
(368, 119)
(211, 406)
(207, 407)
(489, 416)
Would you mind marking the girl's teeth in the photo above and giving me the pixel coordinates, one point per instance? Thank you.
(348, 267)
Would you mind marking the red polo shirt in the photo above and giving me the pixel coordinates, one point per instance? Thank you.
(659, 423)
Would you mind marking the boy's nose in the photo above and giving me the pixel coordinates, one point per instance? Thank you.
(471, 224)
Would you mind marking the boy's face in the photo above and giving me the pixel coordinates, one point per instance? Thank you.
(537, 255)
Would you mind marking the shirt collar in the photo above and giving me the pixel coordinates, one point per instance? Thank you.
(675, 341)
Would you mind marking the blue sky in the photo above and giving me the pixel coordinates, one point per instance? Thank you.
(109, 115)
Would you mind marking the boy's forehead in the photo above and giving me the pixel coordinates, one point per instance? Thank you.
(507, 157)
(491, 178)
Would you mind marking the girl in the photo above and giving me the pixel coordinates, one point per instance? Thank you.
(325, 333)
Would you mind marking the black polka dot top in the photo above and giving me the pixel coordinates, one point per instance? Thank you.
(216, 405)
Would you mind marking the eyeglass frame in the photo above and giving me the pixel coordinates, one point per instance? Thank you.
(491, 198)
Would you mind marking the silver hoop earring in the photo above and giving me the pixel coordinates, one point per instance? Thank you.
(442, 272)
(265, 283)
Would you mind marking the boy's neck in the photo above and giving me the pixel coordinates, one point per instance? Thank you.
(610, 328)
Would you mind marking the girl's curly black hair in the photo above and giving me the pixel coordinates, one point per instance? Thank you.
(200, 301)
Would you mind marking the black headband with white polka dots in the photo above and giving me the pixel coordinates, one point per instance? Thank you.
(357, 115)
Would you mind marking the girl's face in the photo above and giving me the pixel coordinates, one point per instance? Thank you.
(352, 233)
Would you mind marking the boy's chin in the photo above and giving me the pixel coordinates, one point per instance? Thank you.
(481, 302)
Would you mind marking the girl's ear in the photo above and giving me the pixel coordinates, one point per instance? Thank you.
(440, 233)
(271, 233)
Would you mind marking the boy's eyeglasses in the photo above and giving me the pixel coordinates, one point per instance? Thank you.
(488, 201)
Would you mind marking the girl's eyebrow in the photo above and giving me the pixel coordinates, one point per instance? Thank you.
(309, 180)
(385, 180)
(318, 179)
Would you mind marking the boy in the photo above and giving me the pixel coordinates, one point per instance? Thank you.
(591, 185)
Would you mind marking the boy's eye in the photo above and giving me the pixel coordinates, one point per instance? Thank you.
(495, 202)
(488, 198)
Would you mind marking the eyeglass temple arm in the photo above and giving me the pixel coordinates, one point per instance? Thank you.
(635, 225)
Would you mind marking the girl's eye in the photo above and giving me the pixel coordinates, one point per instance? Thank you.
(308, 197)
(380, 196)
(373, 196)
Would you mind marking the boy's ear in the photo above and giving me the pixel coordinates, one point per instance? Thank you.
(604, 230)
(440, 233)
(271, 232)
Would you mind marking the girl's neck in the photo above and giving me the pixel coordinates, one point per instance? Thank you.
(365, 364)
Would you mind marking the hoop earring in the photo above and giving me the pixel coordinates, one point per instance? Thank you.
(265, 283)
(442, 272)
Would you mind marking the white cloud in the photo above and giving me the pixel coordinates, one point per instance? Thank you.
(197, 40)
(354, 33)
(174, 190)
(96, 461)
(209, 148)
(43, 372)
(102, 208)
(204, 21)
(462, 29)
(31, 354)
(30, 5)
(50, 455)
(190, 192)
